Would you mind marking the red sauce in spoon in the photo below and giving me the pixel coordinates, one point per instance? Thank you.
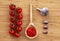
(31, 31)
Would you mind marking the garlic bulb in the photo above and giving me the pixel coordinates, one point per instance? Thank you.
(44, 11)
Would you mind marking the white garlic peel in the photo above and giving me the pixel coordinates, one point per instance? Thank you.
(39, 9)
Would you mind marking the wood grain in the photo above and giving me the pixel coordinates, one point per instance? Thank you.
(53, 17)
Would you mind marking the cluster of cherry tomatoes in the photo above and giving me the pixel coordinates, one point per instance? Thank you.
(15, 20)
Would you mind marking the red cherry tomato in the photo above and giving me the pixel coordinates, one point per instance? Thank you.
(12, 20)
(20, 16)
(11, 13)
(12, 7)
(19, 29)
(11, 32)
(12, 26)
(19, 10)
(19, 23)
(17, 35)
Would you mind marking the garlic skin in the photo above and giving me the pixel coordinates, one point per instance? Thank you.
(45, 27)
(44, 11)
(45, 22)
(45, 32)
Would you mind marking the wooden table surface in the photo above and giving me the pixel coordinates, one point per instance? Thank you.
(53, 17)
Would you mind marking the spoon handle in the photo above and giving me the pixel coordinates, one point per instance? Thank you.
(30, 13)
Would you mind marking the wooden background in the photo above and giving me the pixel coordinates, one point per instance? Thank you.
(53, 17)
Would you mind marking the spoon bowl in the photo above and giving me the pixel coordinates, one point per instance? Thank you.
(31, 25)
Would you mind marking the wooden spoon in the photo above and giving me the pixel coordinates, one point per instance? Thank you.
(31, 24)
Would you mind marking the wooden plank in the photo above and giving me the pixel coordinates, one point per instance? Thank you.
(53, 17)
